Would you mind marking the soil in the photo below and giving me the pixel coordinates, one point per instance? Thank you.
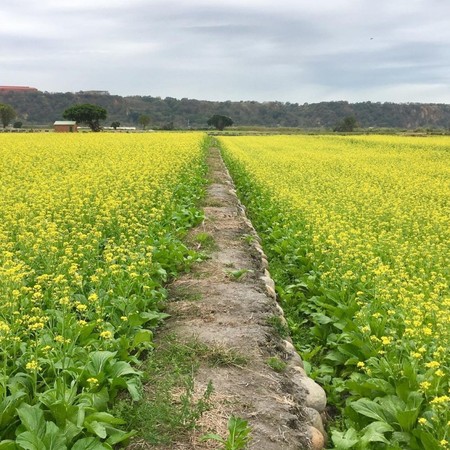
(225, 303)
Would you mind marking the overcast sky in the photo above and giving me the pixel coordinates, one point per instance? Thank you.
(286, 50)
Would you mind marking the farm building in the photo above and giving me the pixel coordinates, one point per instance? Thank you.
(65, 126)
(17, 89)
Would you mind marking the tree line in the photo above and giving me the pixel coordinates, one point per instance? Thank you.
(43, 108)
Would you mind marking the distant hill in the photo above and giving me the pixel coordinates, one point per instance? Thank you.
(43, 108)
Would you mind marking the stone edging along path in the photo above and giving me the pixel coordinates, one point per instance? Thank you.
(235, 309)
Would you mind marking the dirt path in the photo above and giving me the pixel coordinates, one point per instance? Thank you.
(228, 304)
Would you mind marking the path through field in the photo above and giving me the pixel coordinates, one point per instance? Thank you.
(225, 304)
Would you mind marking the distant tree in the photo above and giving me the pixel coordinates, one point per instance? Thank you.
(115, 124)
(17, 124)
(168, 126)
(144, 120)
(86, 113)
(348, 124)
(7, 114)
(220, 122)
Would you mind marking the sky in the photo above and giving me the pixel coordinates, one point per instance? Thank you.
(298, 51)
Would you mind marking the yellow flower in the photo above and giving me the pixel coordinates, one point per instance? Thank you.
(432, 364)
(93, 297)
(106, 334)
(32, 365)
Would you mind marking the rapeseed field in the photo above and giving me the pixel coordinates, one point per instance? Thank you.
(90, 229)
(357, 230)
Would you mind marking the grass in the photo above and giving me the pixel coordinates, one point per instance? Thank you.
(276, 364)
(171, 407)
(214, 203)
(279, 327)
(185, 293)
(205, 241)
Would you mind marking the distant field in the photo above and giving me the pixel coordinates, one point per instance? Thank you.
(90, 229)
(357, 232)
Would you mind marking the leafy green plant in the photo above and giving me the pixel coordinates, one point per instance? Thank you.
(238, 435)
(388, 379)
(239, 274)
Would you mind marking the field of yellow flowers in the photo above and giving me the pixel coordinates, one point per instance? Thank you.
(90, 229)
(357, 233)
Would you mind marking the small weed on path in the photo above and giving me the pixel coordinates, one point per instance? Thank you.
(238, 435)
(238, 275)
(276, 364)
(169, 408)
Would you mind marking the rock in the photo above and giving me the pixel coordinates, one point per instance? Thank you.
(297, 371)
(315, 397)
(315, 419)
(289, 347)
(294, 358)
(294, 361)
(317, 438)
(279, 309)
(268, 282)
(264, 263)
(271, 292)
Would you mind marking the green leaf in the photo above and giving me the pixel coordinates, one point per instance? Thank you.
(391, 405)
(428, 441)
(103, 417)
(141, 337)
(121, 368)
(154, 317)
(98, 361)
(32, 418)
(369, 408)
(29, 440)
(90, 444)
(407, 419)
(8, 445)
(54, 438)
(97, 428)
(344, 440)
(8, 407)
(133, 386)
(375, 432)
(212, 436)
(119, 436)
(71, 430)
(97, 400)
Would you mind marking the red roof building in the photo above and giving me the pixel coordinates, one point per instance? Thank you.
(17, 89)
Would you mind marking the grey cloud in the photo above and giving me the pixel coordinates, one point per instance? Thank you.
(288, 51)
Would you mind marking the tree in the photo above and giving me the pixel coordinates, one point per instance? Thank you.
(17, 124)
(348, 124)
(7, 114)
(115, 124)
(220, 122)
(86, 113)
(144, 120)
